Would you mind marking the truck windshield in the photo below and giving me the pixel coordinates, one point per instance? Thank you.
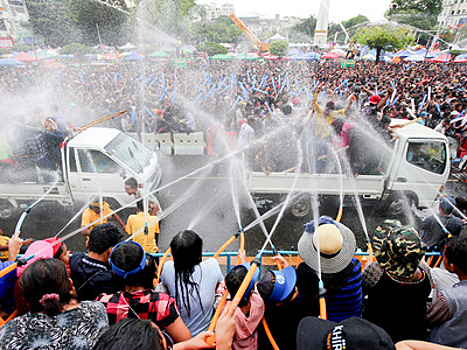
(130, 152)
(428, 155)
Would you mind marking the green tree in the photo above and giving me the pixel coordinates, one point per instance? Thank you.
(306, 26)
(279, 48)
(222, 30)
(169, 16)
(97, 21)
(76, 49)
(51, 22)
(383, 38)
(418, 6)
(422, 14)
(349, 25)
(212, 49)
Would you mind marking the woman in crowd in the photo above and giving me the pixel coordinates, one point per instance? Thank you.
(57, 319)
(138, 298)
(192, 281)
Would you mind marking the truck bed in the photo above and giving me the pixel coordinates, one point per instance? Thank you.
(31, 191)
(327, 184)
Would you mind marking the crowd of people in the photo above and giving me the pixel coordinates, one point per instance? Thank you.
(281, 99)
(117, 296)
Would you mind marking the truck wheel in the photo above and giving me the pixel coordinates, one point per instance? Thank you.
(6, 210)
(399, 204)
(301, 207)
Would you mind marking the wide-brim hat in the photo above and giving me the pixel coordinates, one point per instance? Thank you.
(352, 334)
(398, 248)
(329, 263)
(275, 286)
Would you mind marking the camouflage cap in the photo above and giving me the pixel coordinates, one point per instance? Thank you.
(398, 248)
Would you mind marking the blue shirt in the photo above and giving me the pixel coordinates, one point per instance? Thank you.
(207, 275)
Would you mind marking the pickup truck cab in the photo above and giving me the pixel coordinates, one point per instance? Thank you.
(414, 173)
(94, 161)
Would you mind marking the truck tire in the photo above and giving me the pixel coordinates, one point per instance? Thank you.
(301, 207)
(399, 203)
(6, 210)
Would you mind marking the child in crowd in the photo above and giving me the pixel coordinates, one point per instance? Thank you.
(449, 312)
(250, 310)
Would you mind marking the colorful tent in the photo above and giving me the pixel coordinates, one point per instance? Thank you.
(221, 57)
(25, 58)
(330, 56)
(441, 58)
(109, 57)
(10, 62)
(133, 57)
(159, 54)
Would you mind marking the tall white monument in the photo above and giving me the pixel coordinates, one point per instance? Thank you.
(321, 31)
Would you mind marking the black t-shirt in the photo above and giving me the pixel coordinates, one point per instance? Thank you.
(283, 322)
(92, 277)
(399, 308)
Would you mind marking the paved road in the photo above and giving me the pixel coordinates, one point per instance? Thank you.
(202, 202)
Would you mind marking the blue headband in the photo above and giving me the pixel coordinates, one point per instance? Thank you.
(122, 272)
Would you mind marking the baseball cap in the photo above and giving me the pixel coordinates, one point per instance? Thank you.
(351, 334)
(375, 99)
(276, 286)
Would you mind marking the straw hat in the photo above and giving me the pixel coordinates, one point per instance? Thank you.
(336, 244)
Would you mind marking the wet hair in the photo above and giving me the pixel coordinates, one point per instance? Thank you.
(130, 334)
(456, 251)
(140, 205)
(187, 250)
(60, 251)
(103, 237)
(233, 281)
(131, 182)
(461, 203)
(337, 125)
(45, 285)
(127, 256)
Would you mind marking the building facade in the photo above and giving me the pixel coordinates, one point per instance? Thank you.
(14, 25)
(454, 14)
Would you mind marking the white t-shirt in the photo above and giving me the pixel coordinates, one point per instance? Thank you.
(440, 128)
(207, 274)
(246, 135)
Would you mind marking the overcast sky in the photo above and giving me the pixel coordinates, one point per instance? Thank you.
(339, 10)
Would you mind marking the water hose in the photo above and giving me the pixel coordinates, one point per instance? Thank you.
(13, 266)
(212, 326)
(269, 335)
(322, 301)
(21, 220)
(239, 295)
(226, 244)
(161, 264)
(339, 214)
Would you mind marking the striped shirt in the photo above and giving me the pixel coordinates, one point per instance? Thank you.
(344, 292)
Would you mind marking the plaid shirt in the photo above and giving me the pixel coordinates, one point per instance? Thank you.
(160, 308)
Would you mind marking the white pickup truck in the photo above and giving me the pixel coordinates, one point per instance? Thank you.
(95, 161)
(419, 166)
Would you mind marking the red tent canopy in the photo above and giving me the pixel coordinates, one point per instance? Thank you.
(330, 55)
(25, 58)
(109, 57)
(460, 60)
(441, 58)
(54, 64)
